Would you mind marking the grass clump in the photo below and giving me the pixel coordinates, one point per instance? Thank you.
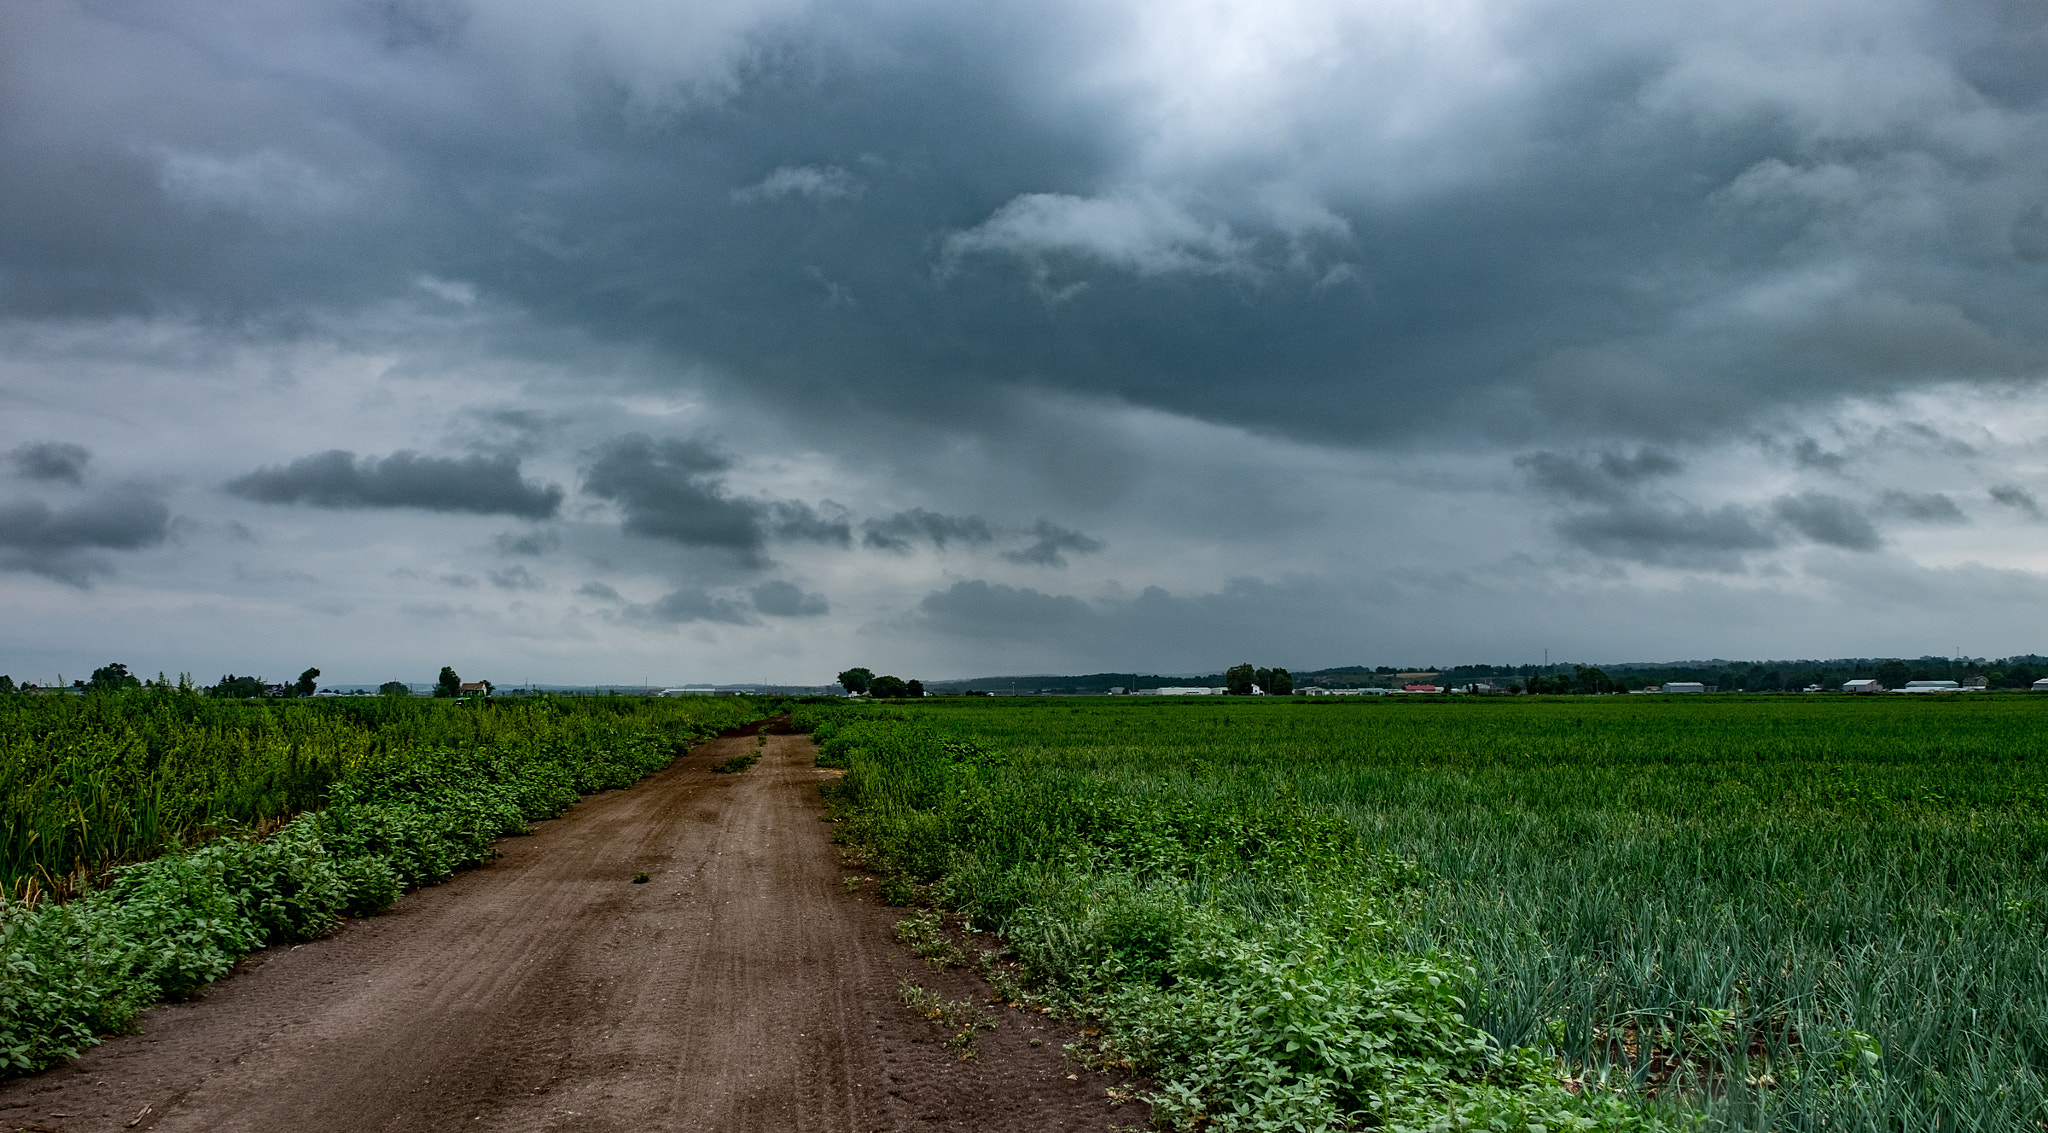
(737, 763)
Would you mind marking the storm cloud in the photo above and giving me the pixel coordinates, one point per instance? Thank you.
(1050, 544)
(784, 599)
(1684, 535)
(1603, 298)
(56, 461)
(906, 529)
(675, 490)
(1828, 519)
(337, 479)
(56, 541)
(1921, 507)
(689, 604)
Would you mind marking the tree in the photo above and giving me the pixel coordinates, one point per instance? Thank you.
(916, 688)
(1893, 674)
(887, 687)
(856, 680)
(394, 688)
(112, 678)
(6, 684)
(1264, 679)
(1283, 683)
(234, 686)
(1238, 680)
(308, 683)
(449, 685)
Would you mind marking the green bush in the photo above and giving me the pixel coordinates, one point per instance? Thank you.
(75, 971)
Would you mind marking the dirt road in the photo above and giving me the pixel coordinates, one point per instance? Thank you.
(741, 988)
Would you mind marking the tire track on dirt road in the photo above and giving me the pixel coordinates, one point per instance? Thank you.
(741, 988)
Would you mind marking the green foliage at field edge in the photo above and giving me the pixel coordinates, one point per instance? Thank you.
(73, 972)
(1242, 952)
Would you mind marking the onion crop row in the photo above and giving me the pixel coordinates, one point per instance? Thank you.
(1764, 913)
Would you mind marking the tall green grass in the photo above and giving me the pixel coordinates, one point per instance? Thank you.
(1779, 913)
(408, 794)
(91, 782)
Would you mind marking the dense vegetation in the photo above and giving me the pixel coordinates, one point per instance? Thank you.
(1767, 913)
(406, 791)
(87, 782)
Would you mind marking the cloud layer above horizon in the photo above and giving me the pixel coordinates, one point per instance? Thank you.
(753, 340)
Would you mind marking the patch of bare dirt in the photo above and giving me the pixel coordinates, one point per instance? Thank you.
(742, 988)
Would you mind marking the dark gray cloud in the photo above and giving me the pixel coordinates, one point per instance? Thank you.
(1920, 507)
(906, 529)
(1682, 535)
(1807, 453)
(513, 578)
(924, 250)
(599, 591)
(337, 479)
(686, 605)
(992, 610)
(1248, 618)
(2018, 499)
(56, 461)
(1606, 478)
(818, 183)
(913, 213)
(1050, 544)
(675, 490)
(787, 600)
(58, 542)
(537, 542)
(1828, 519)
(826, 523)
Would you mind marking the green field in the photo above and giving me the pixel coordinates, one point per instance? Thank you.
(1769, 912)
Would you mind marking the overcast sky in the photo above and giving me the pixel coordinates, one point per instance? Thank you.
(755, 339)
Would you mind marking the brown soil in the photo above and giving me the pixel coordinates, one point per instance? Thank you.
(742, 988)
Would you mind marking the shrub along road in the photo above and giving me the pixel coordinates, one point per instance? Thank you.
(741, 988)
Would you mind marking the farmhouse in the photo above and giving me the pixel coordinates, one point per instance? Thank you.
(1860, 686)
(1684, 686)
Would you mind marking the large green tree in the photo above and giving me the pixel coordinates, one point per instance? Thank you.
(1238, 679)
(1283, 683)
(888, 687)
(113, 678)
(308, 683)
(449, 685)
(856, 680)
(394, 688)
(234, 686)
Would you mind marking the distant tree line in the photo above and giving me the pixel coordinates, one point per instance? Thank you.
(115, 677)
(864, 682)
